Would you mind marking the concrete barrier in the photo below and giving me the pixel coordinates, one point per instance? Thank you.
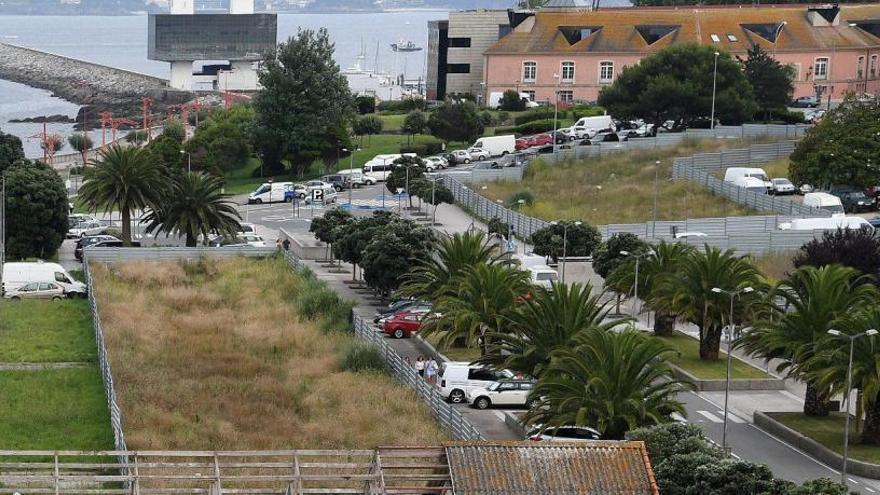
(735, 384)
(813, 448)
(513, 422)
(304, 249)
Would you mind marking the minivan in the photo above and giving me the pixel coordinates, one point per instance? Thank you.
(457, 378)
(824, 201)
(733, 173)
(16, 275)
(270, 192)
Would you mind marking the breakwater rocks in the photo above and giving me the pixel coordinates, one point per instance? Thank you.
(97, 87)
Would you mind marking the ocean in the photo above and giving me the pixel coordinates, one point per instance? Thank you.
(121, 41)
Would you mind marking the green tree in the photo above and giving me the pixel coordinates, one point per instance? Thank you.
(675, 84)
(609, 255)
(136, 137)
(36, 210)
(815, 300)
(731, 477)
(482, 305)
(392, 253)
(610, 381)
(688, 292)
(175, 130)
(438, 275)
(353, 237)
(843, 148)
(367, 125)
(82, 143)
(416, 122)
(11, 150)
(328, 226)
(365, 104)
(194, 206)
(855, 248)
(666, 440)
(544, 323)
(122, 179)
(456, 121)
(165, 151)
(407, 170)
(511, 101)
(222, 141)
(579, 240)
(772, 82)
(303, 95)
(496, 226)
(431, 192)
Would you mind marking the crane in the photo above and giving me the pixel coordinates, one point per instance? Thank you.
(49, 143)
(107, 120)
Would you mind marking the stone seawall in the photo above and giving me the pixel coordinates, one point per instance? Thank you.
(99, 87)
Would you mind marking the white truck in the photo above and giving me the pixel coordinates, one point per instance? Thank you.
(539, 272)
(596, 124)
(733, 174)
(496, 145)
(824, 201)
(16, 275)
(495, 100)
(833, 223)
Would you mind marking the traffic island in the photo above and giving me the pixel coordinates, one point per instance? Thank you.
(822, 439)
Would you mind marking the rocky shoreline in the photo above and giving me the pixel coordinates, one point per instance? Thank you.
(97, 88)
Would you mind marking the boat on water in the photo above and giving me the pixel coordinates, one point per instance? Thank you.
(405, 46)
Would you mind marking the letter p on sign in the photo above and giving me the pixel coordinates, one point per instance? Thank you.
(318, 195)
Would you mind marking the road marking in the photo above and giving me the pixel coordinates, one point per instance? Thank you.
(869, 489)
(711, 417)
(792, 396)
(678, 417)
(732, 417)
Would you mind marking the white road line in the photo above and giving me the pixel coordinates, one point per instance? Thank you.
(732, 417)
(792, 396)
(870, 490)
(711, 417)
(678, 417)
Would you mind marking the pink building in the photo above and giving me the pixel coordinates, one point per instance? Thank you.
(834, 49)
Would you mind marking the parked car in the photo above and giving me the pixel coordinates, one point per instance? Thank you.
(433, 163)
(398, 306)
(563, 434)
(295, 191)
(403, 324)
(874, 221)
(18, 274)
(461, 156)
(93, 240)
(82, 229)
(77, 218)
(37, 290)
(581, 132)
(502, 393)
(495, 145)
(814, 116)
(782, 186)
(488, 166)
(853, 199)
(339, 182)
(358, 177)
(478, 154)
(805, 102)
(239, 240)
(449, 157)
(270, 192)
(457, 378)
(539, 140)
(608, 137)
(521, 144)
(824, 201)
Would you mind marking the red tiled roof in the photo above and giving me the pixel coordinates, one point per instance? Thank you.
(695, 24)
(584, 468)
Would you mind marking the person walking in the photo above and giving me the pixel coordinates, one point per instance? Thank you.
(420, 366)
(431, 371)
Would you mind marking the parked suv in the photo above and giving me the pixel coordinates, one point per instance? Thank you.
(339, 182)
(509, 393)
(853, 199)
(94, 240)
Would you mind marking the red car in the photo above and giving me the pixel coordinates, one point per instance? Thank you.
(522, 144)
(403, 324)
(540, 140)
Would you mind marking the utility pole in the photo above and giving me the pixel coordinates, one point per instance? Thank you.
(2, 227)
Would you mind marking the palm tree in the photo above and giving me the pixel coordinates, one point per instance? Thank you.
(195, 206)
(546, 322)
(815, 301)
(436, 276)
(667, 258)
(610, 381)
(125, 179)
(484, 299)
(688, 293)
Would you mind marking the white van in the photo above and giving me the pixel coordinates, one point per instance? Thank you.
(824, 201)
(497, 145)
(457, 378)
(357, 176)
(270, 192)
(753, 184)
(16, 275)
(733, 173)
(833, 223)
(596, 124)
(382, 165)
(539, 272)
(495, 100)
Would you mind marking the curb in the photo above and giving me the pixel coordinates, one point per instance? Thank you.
(735, 384)
(428, 349)
(813, 448)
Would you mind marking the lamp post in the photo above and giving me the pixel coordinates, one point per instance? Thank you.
(188, 159)
(656, 185)
(351, 172)
(564, 243)
(776, 38)
(732, 294)
(555, 117)
(852, 340)
(714, 80)
(638, 258)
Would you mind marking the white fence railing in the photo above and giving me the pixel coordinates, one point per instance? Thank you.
(112, 255)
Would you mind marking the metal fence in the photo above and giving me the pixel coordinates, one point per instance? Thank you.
(489, 175)
(112, 255)
(450, 419)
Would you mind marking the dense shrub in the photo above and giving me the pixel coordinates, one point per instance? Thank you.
(500, 131)
(360, 356)
(537, 114)
(535, 127)
(527, 197)
(401, 106)
(422, 149)
(788, 117)
(498, 227)
(512, 101)
(579, 112)
(365, 104)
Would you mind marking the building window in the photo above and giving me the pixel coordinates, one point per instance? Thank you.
(530, 71)
(820, 69)
(873, 70)
(567, 71)
(459, 42)
(531, 94)
(504, 30)
(606, 72)
(860, 68)
(458, 68)
(731, 38)
(715, 38)
(566, 96)
(797, 71)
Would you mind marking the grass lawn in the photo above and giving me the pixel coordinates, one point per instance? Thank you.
(829, 432)
(54, 410)
(689, 359)
(46, 331)
(392, 122)
(214, 355)
(619, 188)
(454, 353)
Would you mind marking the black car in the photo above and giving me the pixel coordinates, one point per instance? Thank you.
(449, 157)
(805, 102)
(89, 241)
(339, 182)
(108, 241)
(853, 199)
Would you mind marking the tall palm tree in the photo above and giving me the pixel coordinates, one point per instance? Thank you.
(547, 321)
(667, 258)
(610, 381)
(688, 293)
(436, 276)
(485, 298)
(815, 301)
(125, 179)
(195, 206)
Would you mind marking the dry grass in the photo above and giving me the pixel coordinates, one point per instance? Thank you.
(619, 188)
(214, 356)
(776, 266)
(774, 169)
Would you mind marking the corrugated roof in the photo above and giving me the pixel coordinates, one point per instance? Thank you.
(619, 31)
(567, 4)
(585, 468)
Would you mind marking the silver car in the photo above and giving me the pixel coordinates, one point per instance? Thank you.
(36, 290)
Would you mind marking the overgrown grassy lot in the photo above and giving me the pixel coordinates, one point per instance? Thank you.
(689, 359)
(45, 331)
(619, 188)
(829, 432)
(777, 265)
(222, 355)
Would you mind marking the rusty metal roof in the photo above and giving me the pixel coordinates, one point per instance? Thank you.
(585, 468)
(620, 29)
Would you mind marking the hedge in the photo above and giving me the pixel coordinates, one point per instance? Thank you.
(581, 112)
(540, 114)
(422, 149)
(534, 127)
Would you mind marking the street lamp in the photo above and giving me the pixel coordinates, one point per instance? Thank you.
(656, 185)
(714, 80)
(776, 38)
(555, 116)
(350, 174)
(638, 258)
(188, 160)
(564, 243)
(852, 340)
(732, 295)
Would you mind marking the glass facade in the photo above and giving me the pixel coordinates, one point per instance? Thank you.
(211, 36)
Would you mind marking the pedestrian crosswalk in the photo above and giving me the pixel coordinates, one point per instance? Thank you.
(718, 417)
(370, 204)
